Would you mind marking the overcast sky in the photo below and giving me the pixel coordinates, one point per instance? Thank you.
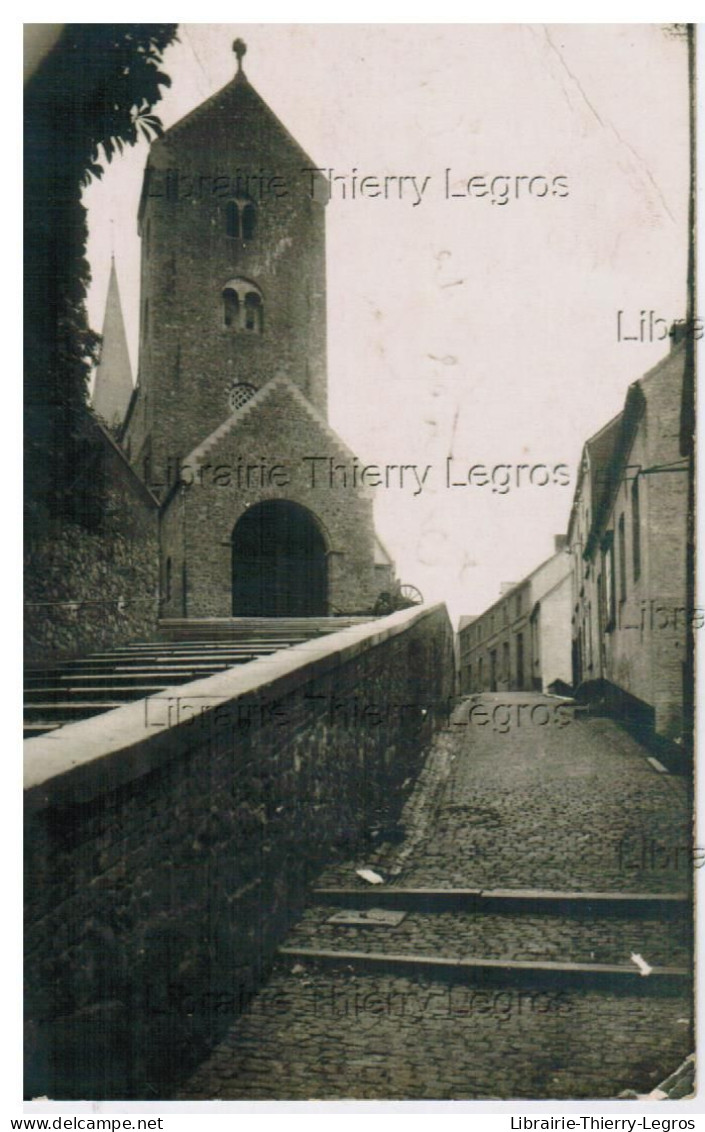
(462, 326)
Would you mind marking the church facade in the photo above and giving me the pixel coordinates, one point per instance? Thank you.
(261, 514)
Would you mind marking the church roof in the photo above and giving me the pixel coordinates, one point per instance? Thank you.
(113, 380)
(202, 452)
(236, 116)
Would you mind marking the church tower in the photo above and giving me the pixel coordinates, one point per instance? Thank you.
(263, 512)
(232, 276)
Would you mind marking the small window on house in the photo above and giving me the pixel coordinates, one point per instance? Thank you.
(608, 581)
(636, 530)
(145, 457)
(622, 552)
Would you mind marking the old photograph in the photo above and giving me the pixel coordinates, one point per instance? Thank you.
(359, 597)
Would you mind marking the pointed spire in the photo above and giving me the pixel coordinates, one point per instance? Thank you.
(113, 380)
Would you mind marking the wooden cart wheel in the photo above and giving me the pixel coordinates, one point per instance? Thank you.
(411, 594)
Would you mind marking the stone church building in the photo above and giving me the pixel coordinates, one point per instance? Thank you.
(262, 512)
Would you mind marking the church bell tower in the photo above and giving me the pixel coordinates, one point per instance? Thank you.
(230, 413)
(232, 275)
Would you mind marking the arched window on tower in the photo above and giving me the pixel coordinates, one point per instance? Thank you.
(249, 221)
(240, 219)
(253, 312)
(231, 305)
(243, 308)
(232, 220)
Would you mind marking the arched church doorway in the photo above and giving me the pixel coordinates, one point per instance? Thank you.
(279, 562)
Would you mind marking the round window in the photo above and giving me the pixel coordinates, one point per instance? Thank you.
(239, 394)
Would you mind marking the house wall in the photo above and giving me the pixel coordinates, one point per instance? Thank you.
(555, 653)
(645, 651)
(641, 650)
(546, 637)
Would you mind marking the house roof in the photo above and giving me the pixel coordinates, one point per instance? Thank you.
(596, 455)
(609, 449)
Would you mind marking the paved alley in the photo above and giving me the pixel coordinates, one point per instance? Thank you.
(519, 792)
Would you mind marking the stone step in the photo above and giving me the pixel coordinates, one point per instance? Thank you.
(236, 627)
(613, 977)
(67, 693)
(246, 644)
(216, 642)
(234, 655)
(32, 729)
(120, 676)
(186, 651)
(143, 663)
(163, 677)
(68, 712)
(189, 650)
(505, 900)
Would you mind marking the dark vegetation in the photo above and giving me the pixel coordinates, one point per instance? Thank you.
(91, 96)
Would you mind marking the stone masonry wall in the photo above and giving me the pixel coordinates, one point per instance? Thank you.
(88, 589)
(199, 519)
(646, 648)
(188, 356)
(165, 863)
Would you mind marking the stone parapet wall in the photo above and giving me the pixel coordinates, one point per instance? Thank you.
(170, 842)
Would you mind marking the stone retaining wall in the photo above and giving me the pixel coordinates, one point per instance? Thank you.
(170, 843)
(89, 588)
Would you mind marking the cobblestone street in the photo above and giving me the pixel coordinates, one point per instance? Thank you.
(530, 796)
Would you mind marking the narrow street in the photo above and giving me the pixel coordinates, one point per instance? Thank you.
(519, 792)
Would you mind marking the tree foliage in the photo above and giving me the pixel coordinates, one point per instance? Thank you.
(92, 95)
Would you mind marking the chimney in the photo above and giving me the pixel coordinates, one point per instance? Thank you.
(505, 587)
(683, 328)
(560, 542)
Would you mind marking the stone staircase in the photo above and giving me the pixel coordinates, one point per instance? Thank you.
(186, 650)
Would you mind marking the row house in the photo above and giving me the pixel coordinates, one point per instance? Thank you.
(627, 537)
(522, 642)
